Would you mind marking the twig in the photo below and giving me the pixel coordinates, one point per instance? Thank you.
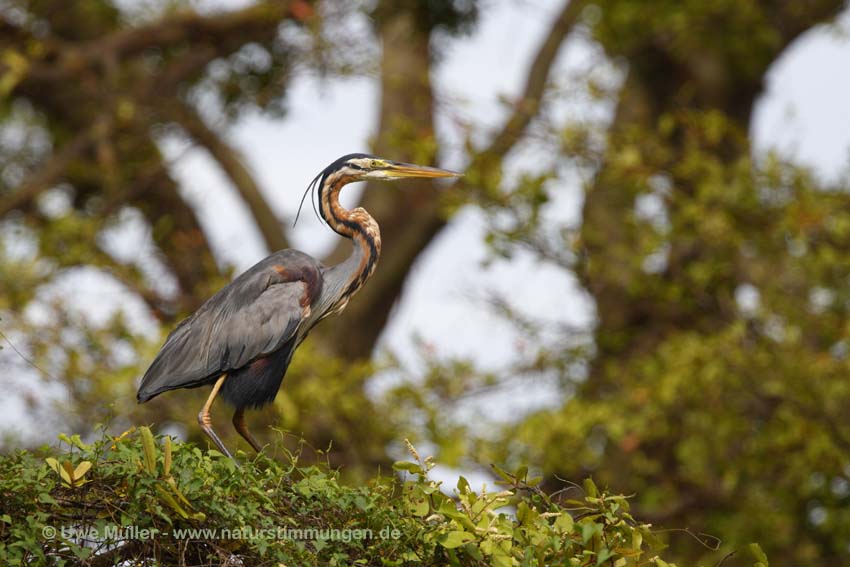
(528, 104)
(24, 357)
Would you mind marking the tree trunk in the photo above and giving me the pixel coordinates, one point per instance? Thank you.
(662, 84)
(408, 215)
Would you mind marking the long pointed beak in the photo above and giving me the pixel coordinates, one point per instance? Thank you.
(399, 170)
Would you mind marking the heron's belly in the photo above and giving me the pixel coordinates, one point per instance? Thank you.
(257, 383)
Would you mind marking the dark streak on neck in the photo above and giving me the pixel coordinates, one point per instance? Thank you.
(345, 223)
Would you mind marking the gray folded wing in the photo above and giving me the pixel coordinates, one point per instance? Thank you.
(250, 318)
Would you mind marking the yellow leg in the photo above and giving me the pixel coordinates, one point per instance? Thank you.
(206, 422)
(242, 428)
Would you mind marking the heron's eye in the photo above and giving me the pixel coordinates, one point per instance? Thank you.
(374, 163)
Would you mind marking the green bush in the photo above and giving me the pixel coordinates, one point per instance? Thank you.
(139, 500)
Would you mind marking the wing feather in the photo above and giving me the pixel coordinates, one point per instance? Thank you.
(252, 317)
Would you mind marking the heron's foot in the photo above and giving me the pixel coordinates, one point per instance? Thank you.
(242, 428)
(205, 422)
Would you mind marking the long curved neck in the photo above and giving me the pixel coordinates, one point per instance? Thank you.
(356, 224)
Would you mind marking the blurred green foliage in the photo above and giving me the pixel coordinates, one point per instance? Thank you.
(712, 386)
(155, 502)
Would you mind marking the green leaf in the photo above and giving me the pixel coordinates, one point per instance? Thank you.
(505, 475)
(67, 472)
(420, 506)
(407, 466)
(455, 538)
(46, 498)
(78, 443)
(637, 539)
(53, 464)
(149, 448)
(588, 530)
(168, 499)
(81, 470)
(500, 558)
(564, 523)
(534, 481)
(166, 466)
(473, 551)
(15, 68)
(759, 554)
(604, 555)
(173, 484)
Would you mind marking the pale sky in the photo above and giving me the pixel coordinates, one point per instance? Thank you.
(804, 113)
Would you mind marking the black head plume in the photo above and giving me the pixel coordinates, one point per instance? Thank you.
(319, 182)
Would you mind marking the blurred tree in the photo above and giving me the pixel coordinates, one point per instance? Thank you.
(714, 385)
(701, 379)
(87, 93)
(714, 382)
(95, 89)
(98, 89)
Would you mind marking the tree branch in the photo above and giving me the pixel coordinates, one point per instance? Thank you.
(528, 104)
(46, 175)
(256, 21)
(632, 318)
(129, 277)
(406, 113)
(146, 97)
(231, 162)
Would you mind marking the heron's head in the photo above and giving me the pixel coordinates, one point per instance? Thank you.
(362, 167)
(357, 167)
